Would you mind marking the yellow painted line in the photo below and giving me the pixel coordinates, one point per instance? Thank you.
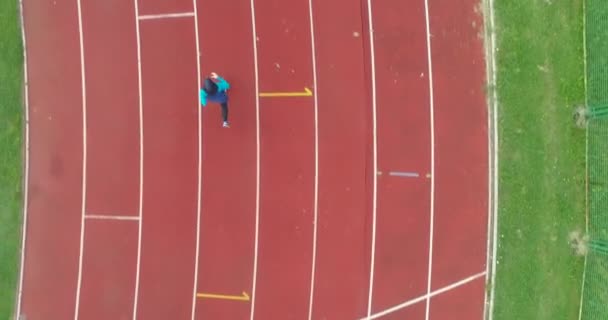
(243, 297)
(305, 93)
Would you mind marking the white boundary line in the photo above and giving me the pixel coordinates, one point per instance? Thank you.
(489, 55)
(427, 296)
(489, 73)
(141, 161)
(494, 176)
(316, 187)
(495, 209)
(257, 191)
(110, 217)
(375, 157)
(84, 158)
(580, 310)
(167, 15)
(200, 160)
(432, 120)
(27, 162)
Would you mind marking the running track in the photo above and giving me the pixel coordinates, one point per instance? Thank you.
(367, 198)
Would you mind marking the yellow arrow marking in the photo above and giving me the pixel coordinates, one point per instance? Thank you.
(242, 297)
(305, 93)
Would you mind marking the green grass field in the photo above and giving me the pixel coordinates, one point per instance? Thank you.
(11, 78)
(595, 306)
(541, 158)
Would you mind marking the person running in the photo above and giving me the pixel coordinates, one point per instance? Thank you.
(214, 90)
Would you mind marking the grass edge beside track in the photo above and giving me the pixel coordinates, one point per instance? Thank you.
(11, 153)
(541, 172)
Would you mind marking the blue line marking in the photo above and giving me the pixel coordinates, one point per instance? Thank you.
(404, 174)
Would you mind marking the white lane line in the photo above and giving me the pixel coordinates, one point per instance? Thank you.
(84, 158)
(494, 166)
(166, 16)
(316, 187)
(426, 296)
(26, 178)
(496, 201)
(490, 168)
(200, 161)
(110, 217)
(375, 156)
(257, 177)
(141, 160)
(432, 120)
(489, 84)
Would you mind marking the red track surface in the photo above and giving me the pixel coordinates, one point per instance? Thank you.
(170, 155)
(287, 161)
(227, 230)
(404, 145)
(143, 245)
(108, 270)
(343, 234)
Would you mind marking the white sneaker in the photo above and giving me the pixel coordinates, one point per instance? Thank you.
(226, 124)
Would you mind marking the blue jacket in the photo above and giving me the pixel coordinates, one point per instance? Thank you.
(220, 96)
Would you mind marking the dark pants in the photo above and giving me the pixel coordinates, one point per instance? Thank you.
(224, 106)
(221, 98)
